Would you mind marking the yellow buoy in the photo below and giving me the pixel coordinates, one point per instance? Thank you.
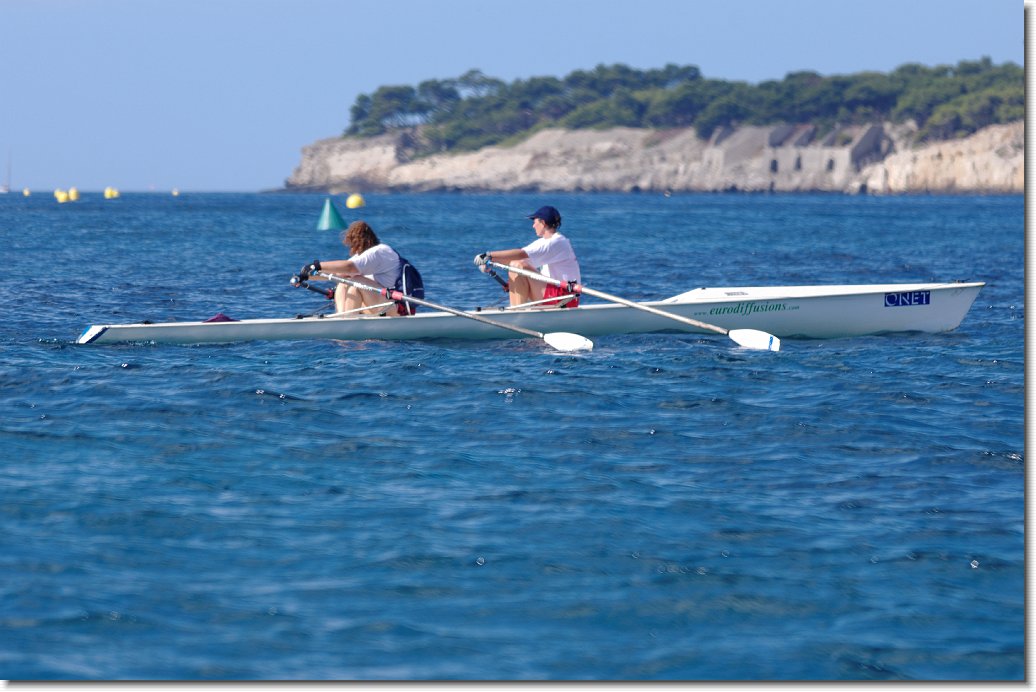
(73, 194)
(354, 201)
(61, 196)
(176, 192)
(26, 192)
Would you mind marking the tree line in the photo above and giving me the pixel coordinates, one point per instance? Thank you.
(476, 110)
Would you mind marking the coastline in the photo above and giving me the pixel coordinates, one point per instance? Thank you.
(872, 159)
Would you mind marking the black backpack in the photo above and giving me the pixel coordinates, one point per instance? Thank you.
(409, 283)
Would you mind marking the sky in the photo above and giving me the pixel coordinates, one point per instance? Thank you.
(221, 95)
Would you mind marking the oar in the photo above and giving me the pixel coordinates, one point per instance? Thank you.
(748, 338)
(562, 341)
(503, 284)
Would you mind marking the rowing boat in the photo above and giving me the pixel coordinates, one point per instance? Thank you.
(816, 312)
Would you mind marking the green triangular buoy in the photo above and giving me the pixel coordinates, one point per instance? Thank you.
(330, 219)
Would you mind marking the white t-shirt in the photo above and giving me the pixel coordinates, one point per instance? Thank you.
(554, 257)
(379, 263)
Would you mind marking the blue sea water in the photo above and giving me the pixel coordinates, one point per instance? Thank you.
(666, 507)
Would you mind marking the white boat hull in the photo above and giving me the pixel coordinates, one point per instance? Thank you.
(817, 312)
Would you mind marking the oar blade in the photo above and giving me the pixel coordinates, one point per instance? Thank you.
(566, 341)
(755, 339)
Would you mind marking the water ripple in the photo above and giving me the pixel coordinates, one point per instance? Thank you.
(844, 510)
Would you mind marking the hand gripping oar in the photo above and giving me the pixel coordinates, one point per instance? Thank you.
(748, 338)
(562, 341)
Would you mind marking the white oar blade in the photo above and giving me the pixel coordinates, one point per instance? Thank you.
(566, 341)
(755, 339)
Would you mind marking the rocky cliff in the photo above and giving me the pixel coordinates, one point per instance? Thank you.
(875, 159)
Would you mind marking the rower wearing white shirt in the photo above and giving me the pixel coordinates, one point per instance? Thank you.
(373, 263)
(550, 254)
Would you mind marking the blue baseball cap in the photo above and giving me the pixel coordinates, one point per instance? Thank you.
(549, 214)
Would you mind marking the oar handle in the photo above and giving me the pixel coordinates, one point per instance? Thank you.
(503, 284)
(579, 288)
(326, 292)
(393, 294)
